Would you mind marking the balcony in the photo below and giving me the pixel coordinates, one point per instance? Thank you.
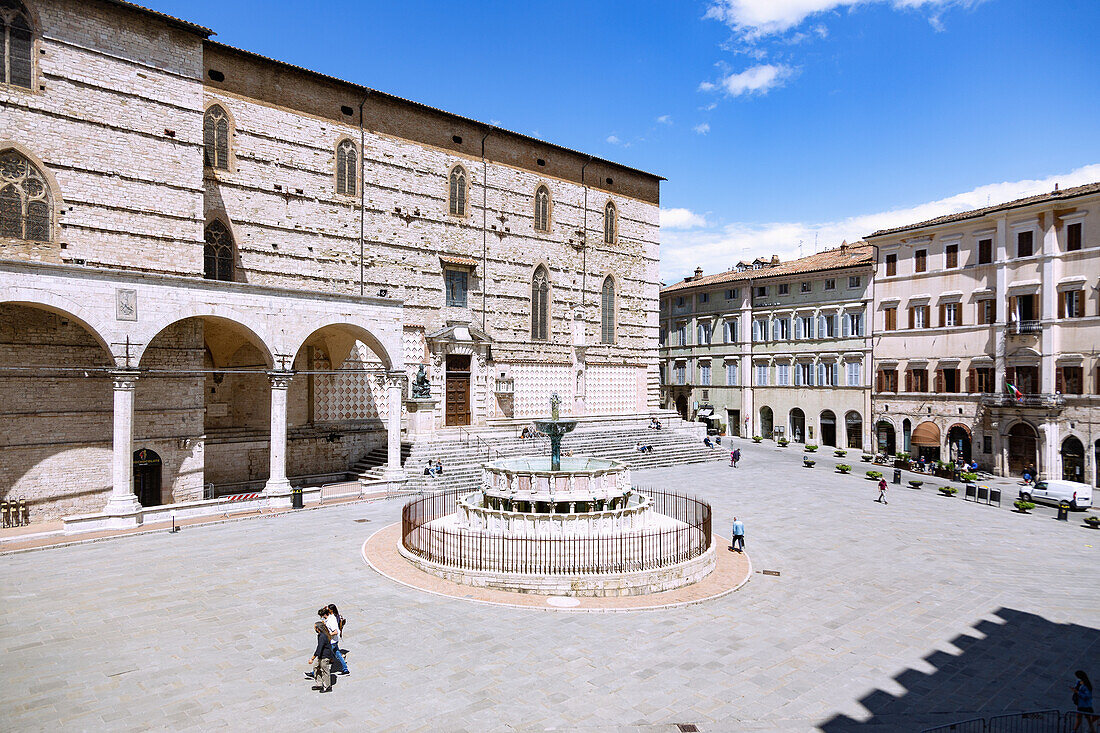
(1028, 400)
(504, 386)
(1024, 328)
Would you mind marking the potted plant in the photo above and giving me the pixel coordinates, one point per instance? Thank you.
(807, 462)
(874, 475)
(915, 484)
(756, 439)
(867, 458)
(843, 468)
(721, 428)
(810, 448)
(901, 460)
(1023, 506)
(783, 442)
(840, 452)
(948, 491)
(968, 478)
(1093, 522)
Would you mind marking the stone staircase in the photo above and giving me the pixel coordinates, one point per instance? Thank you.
(371, 466)
(464, 451)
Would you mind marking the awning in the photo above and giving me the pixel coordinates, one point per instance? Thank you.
(959, 426)
(926, 434)
(458, 261)
(705, 412)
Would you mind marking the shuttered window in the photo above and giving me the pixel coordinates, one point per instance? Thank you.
(218, 252)
(457, 197)
(215, 138)
(607, 311)
(540, 305)
(542, 209)
(347, 158)
(26, 206)
(16, 44)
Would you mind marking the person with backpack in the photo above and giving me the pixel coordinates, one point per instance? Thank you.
(334, 622)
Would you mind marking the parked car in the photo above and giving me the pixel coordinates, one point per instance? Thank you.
(1056, 491)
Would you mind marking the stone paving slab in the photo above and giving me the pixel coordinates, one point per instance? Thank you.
(893, 617)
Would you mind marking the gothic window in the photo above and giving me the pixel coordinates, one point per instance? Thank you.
(610, 223)
(608, 311)
(346, 158)
(215, 138)
(542, 209)
(26, 206)
(540, 305)
(458, 191)
(16, 43)
(218, 252)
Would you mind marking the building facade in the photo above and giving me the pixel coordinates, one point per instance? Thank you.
(217, 268)
(774, 349)
(987, 325)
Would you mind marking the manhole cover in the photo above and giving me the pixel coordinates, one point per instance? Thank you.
(562, 602)
(688, 727)
(360, 521)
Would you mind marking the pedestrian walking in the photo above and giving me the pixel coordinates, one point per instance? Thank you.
(882, 491)
(1082, 698)
(332, 623)
(735, 456)
(321, 661)
(738, 536)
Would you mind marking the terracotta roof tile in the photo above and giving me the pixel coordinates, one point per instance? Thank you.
(852, 255)
(977, 213)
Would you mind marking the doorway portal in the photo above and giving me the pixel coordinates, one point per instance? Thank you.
(147, 477)
(458, 389)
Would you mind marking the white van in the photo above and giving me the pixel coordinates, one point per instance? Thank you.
(1056, 491)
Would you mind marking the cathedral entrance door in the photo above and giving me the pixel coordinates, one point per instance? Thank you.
(458, 390)
(147, 477)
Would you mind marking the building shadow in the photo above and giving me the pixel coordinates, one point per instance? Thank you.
(1024, 663)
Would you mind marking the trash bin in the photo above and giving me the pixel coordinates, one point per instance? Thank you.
(296, 498)
(897, 475)
(1063, 511)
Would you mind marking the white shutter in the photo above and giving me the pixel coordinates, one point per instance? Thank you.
(775, 329)
(821, 373)
(809, 327)
(821, 326)
(797, 375)
(797, 327)
(844, 320)
(836, 374)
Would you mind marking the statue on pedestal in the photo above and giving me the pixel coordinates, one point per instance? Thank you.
(421, 388)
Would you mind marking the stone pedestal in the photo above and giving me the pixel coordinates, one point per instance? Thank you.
(421, 415)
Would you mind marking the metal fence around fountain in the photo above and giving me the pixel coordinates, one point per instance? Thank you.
(629, 552)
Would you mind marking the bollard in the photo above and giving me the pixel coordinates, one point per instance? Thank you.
(6, 509)
(1063, 511)
(24, 513)
(296, 498)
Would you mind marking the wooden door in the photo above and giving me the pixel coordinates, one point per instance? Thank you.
(147, 477)
(458, 390)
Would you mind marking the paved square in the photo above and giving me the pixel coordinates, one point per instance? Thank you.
(883, 618)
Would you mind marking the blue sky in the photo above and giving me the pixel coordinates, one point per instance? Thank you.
(774, 121)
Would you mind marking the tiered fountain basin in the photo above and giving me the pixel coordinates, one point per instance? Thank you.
(581, 530)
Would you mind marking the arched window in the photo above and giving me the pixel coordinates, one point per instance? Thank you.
(542, 209)
(540, 305)
(607, 311)
(458, 191)
(610, 223)
(16, 43)
(215, 138)
(26, 207)
(218, 252)
(346, 158)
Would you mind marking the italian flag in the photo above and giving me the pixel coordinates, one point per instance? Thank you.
(1015, 392)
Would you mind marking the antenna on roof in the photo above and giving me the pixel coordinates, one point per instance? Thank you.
(800, 249)
(815, 242)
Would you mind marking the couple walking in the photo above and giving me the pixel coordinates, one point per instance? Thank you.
(328, 653)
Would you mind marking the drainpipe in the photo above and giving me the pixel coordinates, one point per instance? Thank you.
(362, 194)
(484, 226)
(584, 238)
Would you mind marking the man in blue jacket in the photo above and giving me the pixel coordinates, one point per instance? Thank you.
(322, 659)
(737, 543)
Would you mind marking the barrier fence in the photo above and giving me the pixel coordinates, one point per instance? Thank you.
(1034, 721)
(628, 552)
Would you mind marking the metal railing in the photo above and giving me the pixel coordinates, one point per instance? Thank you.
(1033, 721)
(628, 552)
(1020, 328)
(480, 444)
(1025, 400)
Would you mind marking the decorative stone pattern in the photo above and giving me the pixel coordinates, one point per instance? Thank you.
(535, 382)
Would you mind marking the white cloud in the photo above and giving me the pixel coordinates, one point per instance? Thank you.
(717, 250)
(753, 80)
(613, 139)
(755, 19)
(681, 219)
(665, 119)
(702, 128)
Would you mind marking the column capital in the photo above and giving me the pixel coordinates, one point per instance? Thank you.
(124, 378)
(391, 378)
(280, 379)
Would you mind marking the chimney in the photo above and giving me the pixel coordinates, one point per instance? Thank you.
(698, 272)
(775, 260)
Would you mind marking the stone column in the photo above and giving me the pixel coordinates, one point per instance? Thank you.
(122, 499)
(277, 482)
(395, 394)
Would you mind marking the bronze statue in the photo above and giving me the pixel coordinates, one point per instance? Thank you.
(421, 388)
